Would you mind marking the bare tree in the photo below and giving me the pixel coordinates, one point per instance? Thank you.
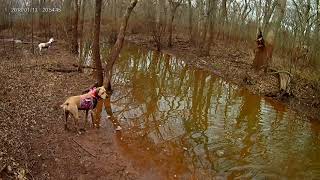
(276, 24)
(32, 29)
(317, 33)
(211, 16)
(74, 45)
(81, 57)
(67, 17)
(114, 54)
(263, 55)
(173, 8)
(96, 46)
(190, 20)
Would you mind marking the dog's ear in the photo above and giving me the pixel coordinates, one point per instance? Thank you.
(98, 89)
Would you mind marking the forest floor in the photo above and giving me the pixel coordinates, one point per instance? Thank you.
(34, 143)
(233, 62)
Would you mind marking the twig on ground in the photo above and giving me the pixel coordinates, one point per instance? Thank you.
(83, 148)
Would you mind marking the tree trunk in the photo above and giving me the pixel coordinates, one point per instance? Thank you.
(224, 14)
(190, 20)
(32, 29)
(268, 11)
(114, 54)
(75, 46)
(223, 17)
(158, 12)
(96, 46)
(67, 17)
(81, 57)
(317, 34)
(170, 29)
(173, 8)
(41, 23)
(263, 54)
(276, 24)
(211, 14)
(206, 24)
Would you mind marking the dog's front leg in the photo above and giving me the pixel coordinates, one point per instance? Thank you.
(66, 114)
(86, 120)
(92, 118)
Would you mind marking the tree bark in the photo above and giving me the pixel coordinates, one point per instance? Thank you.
(67, 17)
(211, 14)
(223, 17)
(264, 52)
(317, 34)
(32, 48)
(190, 20)
(224, 14)
(114, 54)
(170, 29)
(173, 8)
(81, 57)
(96, 46)
(276, 24)
(74, 45)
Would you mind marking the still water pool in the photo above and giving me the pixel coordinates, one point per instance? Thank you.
(190, 124)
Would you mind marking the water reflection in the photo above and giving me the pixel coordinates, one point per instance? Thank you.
(192, 124)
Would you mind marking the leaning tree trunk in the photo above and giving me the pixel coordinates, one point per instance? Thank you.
(75, 46)
(96, 47)
(114, 54)
(263, 54)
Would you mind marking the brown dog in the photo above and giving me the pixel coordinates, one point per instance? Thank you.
(85, 102)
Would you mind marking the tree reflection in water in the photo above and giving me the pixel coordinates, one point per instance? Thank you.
(191, 123)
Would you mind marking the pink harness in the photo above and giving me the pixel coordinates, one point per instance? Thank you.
(89, 100)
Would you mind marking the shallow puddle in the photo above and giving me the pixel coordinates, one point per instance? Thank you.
(188, 123)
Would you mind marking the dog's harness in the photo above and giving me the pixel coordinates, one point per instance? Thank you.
(89, 101)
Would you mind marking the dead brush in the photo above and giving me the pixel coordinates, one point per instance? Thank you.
(157, 31)
(112, 38)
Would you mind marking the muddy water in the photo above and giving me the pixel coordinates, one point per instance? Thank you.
(186, 123)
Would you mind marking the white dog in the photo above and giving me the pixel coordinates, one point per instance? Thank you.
(45, 45)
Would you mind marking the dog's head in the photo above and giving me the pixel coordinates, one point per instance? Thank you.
(51, 40)
(101, 91)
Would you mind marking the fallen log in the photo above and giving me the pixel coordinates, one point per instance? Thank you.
(83, 66)
(61, 70)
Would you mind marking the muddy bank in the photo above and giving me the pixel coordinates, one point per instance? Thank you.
(34, 144)
(233, 63)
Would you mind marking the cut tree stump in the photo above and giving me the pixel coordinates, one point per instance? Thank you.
(285, 82)
(285, 79)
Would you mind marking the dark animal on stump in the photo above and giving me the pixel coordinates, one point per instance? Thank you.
(262, 54)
